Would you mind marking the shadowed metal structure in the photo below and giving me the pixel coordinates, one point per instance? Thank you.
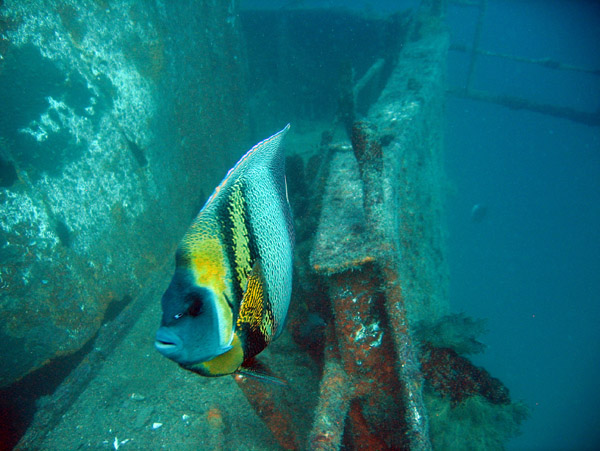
(378, 274)
(379, 251)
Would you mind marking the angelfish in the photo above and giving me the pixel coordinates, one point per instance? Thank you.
(230, 293)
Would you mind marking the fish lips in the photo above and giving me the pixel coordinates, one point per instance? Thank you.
(172, 346)
(168, 343)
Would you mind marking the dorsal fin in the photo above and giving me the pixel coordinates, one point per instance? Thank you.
(269, 153)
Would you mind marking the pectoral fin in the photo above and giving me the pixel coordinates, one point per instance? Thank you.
(259, 371)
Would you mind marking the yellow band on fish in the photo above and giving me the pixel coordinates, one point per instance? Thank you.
(223, 364)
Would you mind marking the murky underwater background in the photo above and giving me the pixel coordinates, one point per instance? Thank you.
(531, 266)
(118, 153)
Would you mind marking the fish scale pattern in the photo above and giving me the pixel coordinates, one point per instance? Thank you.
(240, 248)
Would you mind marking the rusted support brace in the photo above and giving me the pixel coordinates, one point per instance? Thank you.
(266, 400)
(367, 150)
(368, 153)
(334, 401)
(408, 368)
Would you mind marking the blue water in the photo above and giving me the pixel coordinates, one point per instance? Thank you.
(533, 265)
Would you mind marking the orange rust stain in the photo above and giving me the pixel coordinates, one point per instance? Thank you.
(214, 417)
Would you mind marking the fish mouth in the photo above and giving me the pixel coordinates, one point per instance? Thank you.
(167, 342)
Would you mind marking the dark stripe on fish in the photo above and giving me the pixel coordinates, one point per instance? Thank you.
(238, 239)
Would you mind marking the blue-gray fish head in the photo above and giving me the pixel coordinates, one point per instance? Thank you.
(188, 332)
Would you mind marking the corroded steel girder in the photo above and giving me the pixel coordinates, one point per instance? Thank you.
(377, 376)
(379, 251)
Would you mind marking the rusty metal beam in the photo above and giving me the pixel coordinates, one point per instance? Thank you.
(518, 103)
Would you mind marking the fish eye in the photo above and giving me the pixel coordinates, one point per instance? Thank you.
(196, 304)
